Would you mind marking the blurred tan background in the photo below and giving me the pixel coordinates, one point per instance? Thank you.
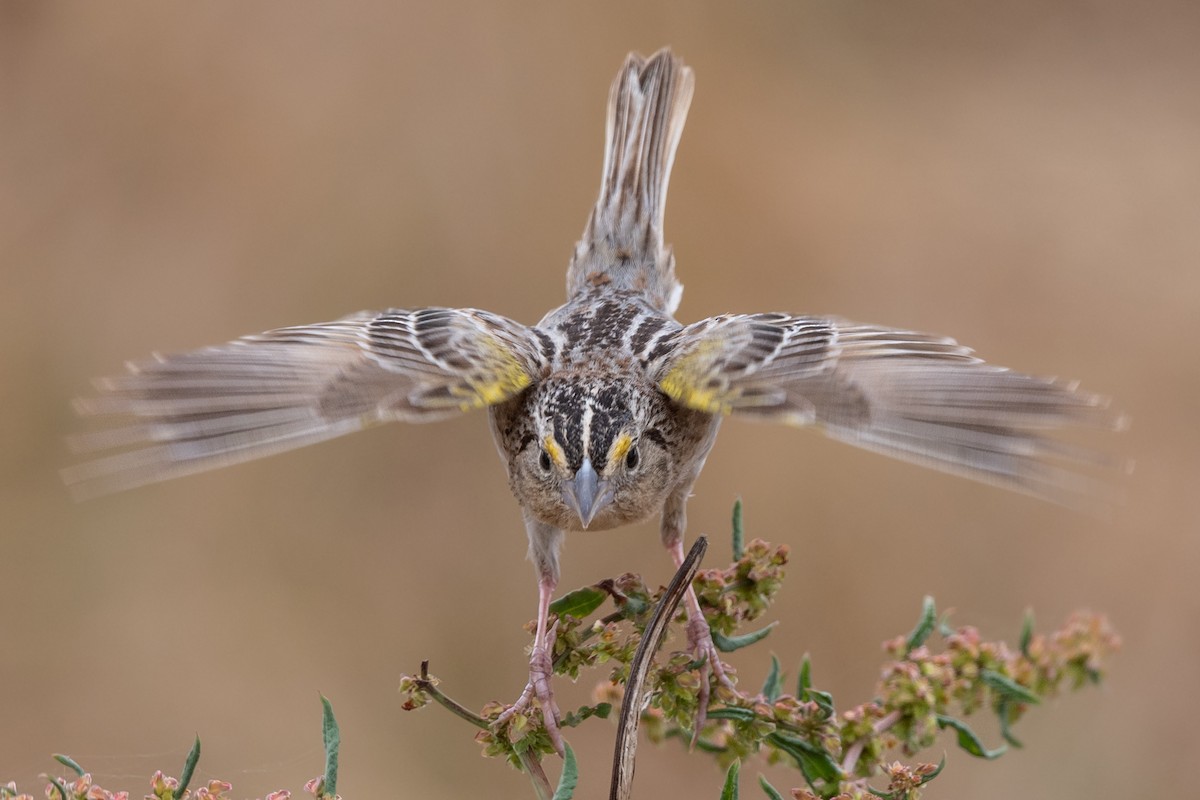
(1024, 176)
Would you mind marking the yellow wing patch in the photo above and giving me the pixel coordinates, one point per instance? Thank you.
(695, 383)
(501, 377)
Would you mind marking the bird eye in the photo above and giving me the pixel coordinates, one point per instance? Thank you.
(632, 459)
(544, 461)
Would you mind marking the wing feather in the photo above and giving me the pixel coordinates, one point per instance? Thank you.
(914, 396)
(178, 414)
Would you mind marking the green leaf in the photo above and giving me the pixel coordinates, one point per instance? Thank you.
(579, 603)
(727, 644)
(1004, 711)
(69, 763)
(333, 740)
(64, 793)
(1007, 688)
(941, 766)
(925, 625)
(731, 712)
(570, 775)
(967, 739)
(814, 762)
(189, 767)
(771, 687)
(739, 536)
(768, 789)
(1026, 632)
(806, 693)
(730, 790)
(574, 718)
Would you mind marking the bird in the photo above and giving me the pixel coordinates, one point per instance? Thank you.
(605, 410)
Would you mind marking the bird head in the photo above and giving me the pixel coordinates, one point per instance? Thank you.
(597, 453)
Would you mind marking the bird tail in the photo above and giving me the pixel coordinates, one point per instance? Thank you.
(622, 246)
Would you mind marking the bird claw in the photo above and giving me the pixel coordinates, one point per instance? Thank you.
(541, 669)
(700, 642)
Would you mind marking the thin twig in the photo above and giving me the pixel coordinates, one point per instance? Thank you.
(529, 759)
(639, 669)
(426, 684)
(537, 775)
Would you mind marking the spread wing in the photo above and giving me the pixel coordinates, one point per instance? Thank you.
(177, 414)
(922, 398)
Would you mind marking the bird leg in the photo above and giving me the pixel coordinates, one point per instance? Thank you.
(541, 669)
(700, 642)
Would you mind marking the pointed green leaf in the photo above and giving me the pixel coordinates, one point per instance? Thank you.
(1008, 688)
(69, 763)
(772, 686)
(570, 775)
(189, 767)
(731, 712)
(730, 790)
(769, 790)
(579, 603)
(806, 693)
(1026, 632)
(739, 536)
(333, 741)
(1004, 711)
(941, 766)
(967, 739)
(925, 625)
(727, 644)
(814, 762)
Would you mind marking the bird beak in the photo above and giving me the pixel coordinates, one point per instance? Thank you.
(586, 493)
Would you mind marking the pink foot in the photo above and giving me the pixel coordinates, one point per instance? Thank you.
(541, 669)
(700, 642)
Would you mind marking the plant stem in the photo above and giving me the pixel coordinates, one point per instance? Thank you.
(529, 760)
(855, 751)
(426, 685)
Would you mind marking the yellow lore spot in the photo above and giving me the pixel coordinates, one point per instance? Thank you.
(619, 448)
(554, 451)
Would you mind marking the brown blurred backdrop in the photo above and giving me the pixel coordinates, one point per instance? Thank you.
(1024, 176)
